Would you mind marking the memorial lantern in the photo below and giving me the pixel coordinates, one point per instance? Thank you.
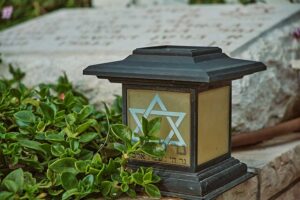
(190, 88)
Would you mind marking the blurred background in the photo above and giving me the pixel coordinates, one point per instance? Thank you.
(50, 38)
(17, 11)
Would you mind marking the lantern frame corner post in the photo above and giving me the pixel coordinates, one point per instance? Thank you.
(194, 129)
(124, 104)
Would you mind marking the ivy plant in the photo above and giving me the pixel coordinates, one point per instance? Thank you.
(55, 145)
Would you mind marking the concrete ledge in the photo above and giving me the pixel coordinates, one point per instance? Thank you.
(276, 162)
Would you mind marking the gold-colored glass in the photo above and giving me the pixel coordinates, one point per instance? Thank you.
(174, 108)
(213, 123)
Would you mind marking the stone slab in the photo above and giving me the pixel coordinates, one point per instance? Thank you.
(124, 3)
(293, 193)
(277, 163)
(121, 30)
(69, 40)
(244, 191)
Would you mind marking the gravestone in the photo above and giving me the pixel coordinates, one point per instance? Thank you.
(124, 3)
(69, 40)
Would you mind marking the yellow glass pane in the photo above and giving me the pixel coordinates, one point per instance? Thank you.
(213, 123)
(174, 108)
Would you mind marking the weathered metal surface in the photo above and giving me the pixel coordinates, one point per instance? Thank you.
(177, 64)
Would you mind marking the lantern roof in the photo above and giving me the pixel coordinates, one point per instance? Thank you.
(182, 64)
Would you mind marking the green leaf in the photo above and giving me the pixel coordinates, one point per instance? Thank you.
(41, 126)
(48, 111)
(145, 125)
(97, 160)
(120, 147)
(86, 184)
(69, 180)
(83, 127)
(87, 137)
(154, 126)
(131, 193)
(127, 179)
(155, 178)
(147, 178)
(124, 187)
(82, 165)
(69, 133)
(53, 192)
(2, 128)
(24, 118)
(106, 187)
(85, 154)
(85, 112)
(4, 195)
(115, 191)
(112, 166)
(14, 180)
(56, 137)
(31, 101)
(74, 145)
(116, 178)
(70, 193)
(154, 149)
(53, 177)
(64, 165)
(71, 119)
(10, 186)
(152, 191)
(122, 132)
(32, 145)
(138, 178)
(57, 150)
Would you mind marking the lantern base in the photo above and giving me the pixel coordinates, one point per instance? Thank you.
(206, 184)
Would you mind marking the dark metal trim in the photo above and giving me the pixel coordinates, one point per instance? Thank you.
(124, 97)
(213, 161)
(214, 194)
(194, 130)
(205, 183)
(159, 87)
(230, 118)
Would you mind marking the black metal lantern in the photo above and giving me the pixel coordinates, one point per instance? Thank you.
(190, 88)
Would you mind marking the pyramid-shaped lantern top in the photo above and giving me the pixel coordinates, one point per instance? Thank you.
(177, 65)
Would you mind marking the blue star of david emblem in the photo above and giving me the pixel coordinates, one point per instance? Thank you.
(163, 112)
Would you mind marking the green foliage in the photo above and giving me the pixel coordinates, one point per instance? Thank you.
(219, 1)
(26, 9)
(206, 1)
(72, 150)
(247, 1)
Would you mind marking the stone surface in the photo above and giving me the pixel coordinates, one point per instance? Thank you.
(293, 193)
(127, 3)
(244, 191)
(276, 162)
(296, 64)
(69, 40)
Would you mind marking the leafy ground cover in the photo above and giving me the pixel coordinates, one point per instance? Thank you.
(55, 145)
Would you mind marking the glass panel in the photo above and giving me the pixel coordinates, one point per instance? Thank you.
(213, 123)
(174, 108)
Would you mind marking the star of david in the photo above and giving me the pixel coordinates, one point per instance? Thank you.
(162, 112)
